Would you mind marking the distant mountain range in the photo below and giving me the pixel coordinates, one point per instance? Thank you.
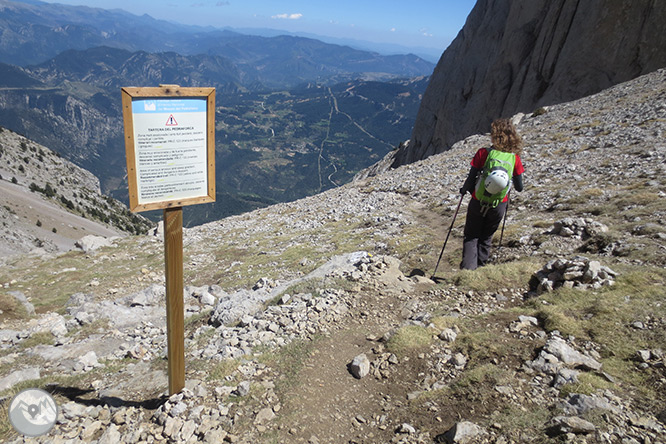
(35, 32)
(295, 115)
(428, 53)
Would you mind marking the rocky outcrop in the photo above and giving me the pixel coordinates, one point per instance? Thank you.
(518, 55)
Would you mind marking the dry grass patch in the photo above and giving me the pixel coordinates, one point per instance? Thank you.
(40, 338)
(11, 308)
(288, 361)
(515, 420)
(222, 370)
(49, 284)
(588, 384)
(542, 223)
(493, 277)
(410, 339)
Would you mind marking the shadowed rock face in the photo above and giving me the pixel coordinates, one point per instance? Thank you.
(517, 55)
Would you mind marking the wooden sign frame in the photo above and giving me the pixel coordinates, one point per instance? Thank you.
(167, 137)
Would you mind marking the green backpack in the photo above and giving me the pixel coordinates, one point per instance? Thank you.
(494, 182)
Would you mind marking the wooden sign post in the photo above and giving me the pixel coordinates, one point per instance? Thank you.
(170, 150)
(173, 270)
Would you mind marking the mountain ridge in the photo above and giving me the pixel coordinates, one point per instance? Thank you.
(54, 29)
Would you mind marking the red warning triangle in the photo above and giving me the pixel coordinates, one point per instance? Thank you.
(171, 121)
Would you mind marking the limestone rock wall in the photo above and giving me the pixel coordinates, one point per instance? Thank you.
(517, 55)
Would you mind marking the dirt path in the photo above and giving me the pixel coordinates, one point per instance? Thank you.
(324, 403)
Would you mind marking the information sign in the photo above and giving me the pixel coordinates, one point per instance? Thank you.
(170, 146)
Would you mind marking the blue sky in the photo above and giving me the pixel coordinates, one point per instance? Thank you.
(415, 23)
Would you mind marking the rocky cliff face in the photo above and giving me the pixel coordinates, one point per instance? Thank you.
(517, 55)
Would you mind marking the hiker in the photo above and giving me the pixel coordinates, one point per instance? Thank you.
(489, 180)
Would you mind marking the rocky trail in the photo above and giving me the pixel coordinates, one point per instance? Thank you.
(315, 321)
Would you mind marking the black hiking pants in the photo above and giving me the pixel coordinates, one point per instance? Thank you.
(479, 230)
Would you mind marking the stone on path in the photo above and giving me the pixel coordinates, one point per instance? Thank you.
(461, 433)
(91, 243)
(360, 366)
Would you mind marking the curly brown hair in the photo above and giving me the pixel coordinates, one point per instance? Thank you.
(505, 137)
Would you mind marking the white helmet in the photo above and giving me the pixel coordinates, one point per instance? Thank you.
(496, 181)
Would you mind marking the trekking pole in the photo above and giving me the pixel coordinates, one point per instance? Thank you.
(508, 201)
(448, 234)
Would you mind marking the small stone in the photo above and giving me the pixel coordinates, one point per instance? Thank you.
(406, 429)
(265, 415)
(118, 417)
(110, 436)
(90, 430)
(529, 320)
(172, 427)
(461, 433)
(448, 335)
(360, 366)
(459, 360)
(89, 361)
(567, 354)
(72, 410)
(243, 389)
(178, 409)
(561, 425)
(215, 436)
(579, 404)
(187, 431)
(644, 355)
(207, 299)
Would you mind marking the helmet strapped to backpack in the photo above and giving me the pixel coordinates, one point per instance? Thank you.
(494, 182)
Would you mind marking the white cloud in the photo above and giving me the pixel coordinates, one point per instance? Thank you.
(222, 4)
(393, 29)
(424, 32)
(287, 16)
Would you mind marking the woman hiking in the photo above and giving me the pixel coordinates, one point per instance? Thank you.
(489, 180)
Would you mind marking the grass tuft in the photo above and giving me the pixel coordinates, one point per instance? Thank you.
(493, 277)
(409, 339)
